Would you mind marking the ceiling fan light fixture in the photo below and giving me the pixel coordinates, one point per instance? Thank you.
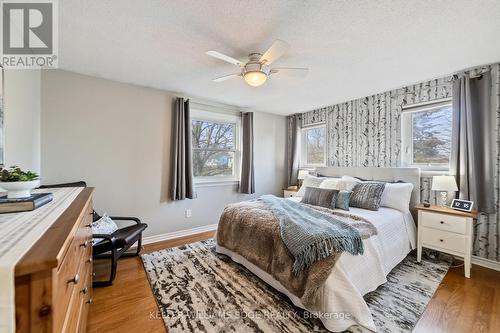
(255, 78)
(257, 68)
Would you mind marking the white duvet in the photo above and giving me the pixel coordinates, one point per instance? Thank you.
(341, 297)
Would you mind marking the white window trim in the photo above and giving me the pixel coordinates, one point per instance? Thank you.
(407, 135)
(199, 114)
(303, 148)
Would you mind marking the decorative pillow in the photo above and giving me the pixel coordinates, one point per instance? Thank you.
(343, 198)
(320, 197)
(397, 196)
(347, 183)
(331, 183)
(105, 225)
(367, 195)
(309, 181)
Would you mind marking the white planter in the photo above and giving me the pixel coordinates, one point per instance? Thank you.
(16, 190)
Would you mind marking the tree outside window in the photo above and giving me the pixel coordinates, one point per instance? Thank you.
(427, 136)
(313, 146)
(214, 148)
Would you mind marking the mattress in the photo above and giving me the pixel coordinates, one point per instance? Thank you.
(341, 297)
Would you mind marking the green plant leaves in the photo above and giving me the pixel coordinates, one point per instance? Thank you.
(15, 174)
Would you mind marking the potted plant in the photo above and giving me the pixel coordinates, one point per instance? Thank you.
(17, 182)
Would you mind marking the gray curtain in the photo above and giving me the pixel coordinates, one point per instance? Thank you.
(294, 124)
(247, 181)
(182, 183)
(473, 160)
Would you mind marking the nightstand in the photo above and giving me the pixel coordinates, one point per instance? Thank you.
(446, 230)
(287, 193)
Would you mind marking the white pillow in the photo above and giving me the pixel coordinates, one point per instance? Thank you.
(347, 183)
(397, 196)
(105, 225)
(309, 181)
(331, 183)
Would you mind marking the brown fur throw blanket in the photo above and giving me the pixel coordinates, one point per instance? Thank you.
(250, 229)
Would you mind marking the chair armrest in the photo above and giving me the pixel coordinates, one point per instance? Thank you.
(126, 218)
(107, 237)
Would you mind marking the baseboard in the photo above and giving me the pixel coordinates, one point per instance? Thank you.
(178, 234)
(488, 263)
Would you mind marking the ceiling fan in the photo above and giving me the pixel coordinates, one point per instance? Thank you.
(256, 70)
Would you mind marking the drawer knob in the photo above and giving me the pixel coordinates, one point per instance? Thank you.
(44, 311)
(84, 244)
(74, 280)
(441, 240)
(90, 260)
(84, 290)
(442, 222)
(90, 301)
(89, 225)
(92, 274)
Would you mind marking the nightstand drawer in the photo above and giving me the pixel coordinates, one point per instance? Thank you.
(444, 222)
(443, 240)
(289, 194)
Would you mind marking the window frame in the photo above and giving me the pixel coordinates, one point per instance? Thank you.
(407, 134)
(198, 114)
(303, 147)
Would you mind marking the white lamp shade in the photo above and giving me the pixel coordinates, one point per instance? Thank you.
(302, 174)
(444, 183)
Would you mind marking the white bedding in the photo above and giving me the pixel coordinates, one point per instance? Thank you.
(342, 302)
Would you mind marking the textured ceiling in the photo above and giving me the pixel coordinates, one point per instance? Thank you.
(353, 48)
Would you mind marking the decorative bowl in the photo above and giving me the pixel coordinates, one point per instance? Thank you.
(17, 190)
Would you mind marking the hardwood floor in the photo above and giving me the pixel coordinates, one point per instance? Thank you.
(459, 305)
(129, 305)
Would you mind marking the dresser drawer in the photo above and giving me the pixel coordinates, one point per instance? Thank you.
(444, 222)
(85, 302)
(79, 304)
(66, 279)
(69, 274)
(443, 240)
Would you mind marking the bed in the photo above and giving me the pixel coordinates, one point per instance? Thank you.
(341, 295)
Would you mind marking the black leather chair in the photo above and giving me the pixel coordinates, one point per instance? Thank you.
(115, 245)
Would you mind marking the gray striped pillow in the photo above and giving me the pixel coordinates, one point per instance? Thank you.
(367, 195)
(320, 197)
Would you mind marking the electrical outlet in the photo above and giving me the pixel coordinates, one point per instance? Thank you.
(188, 213)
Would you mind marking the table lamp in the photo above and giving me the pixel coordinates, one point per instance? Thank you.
(302, 175)
(444, 184)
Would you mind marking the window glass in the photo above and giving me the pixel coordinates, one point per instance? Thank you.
(427, 136)
(313, 145)
(214, 148)
(431, 138)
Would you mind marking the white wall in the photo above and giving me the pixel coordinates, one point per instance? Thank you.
(116, 137)
(22, 118)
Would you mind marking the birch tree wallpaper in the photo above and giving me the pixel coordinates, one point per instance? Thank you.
(367, 132)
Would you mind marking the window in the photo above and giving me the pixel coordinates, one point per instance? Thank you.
(313, 146)
(215, 143)
(426, 136)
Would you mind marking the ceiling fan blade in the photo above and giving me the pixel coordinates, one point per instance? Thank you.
(276, 50)
(224, 57)
(226, 77)
(299, 72)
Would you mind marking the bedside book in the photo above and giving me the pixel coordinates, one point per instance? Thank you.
(24, 204)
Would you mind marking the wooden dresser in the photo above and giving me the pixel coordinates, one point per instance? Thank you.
(53, 280)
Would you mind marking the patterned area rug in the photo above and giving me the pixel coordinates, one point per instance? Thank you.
(198, 290)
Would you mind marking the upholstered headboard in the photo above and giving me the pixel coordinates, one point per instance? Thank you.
(408, 175)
